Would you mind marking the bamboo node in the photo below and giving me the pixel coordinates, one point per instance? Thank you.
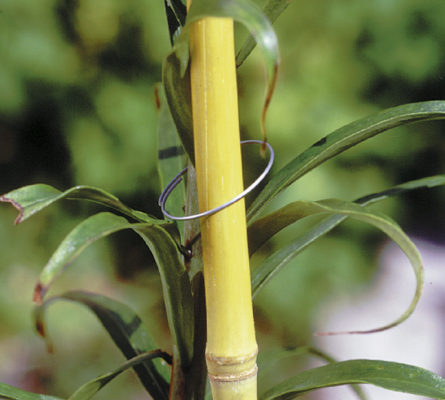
(232, 369)
(244, 375)
(233, 360)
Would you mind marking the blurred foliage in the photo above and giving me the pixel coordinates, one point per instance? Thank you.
(77, 107)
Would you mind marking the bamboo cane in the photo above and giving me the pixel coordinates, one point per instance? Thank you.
(231, 346)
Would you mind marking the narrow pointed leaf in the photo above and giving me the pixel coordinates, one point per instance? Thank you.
(336, 207)
(273, 264)
(343, 139)
(428, 182)
(177, 92)
(88, 390)
(33, 198)
(176, 288)
(9, 392)
(175, 282)
(175, 75)
(192, 228)
(171, 157)
(127, 331)
(250, 15)
(388, 375)
(272, 10)
(176, 13)
(261, 230)
(87, 232)
(268, 361)
(196, 375)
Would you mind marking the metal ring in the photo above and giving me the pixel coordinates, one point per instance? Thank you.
(177, 179)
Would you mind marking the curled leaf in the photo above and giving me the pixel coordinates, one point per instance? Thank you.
(250, 15)
(388, 375)
(127, 331)
(337, 208)
(341, 140)
(261, 230)
(176, 287)
(31, 199)
(268, 361)
(272, 9)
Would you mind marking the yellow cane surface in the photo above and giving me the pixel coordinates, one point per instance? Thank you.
(231, 346)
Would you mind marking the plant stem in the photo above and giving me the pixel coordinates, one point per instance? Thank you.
(231, 346)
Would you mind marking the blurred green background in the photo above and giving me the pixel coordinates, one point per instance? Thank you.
(77, 106)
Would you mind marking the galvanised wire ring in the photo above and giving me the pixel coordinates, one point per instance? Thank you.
(177, 179)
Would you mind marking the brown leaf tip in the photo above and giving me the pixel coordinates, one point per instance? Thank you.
(39, 293)
(40, 328)
(157, 98)
(16, 205)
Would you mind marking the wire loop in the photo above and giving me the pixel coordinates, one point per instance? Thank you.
(177, 179)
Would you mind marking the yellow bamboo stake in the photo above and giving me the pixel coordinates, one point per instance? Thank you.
(231, 346)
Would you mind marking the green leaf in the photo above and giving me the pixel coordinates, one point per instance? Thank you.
(176, 288)
(341, 140)
(428, 182)
(12, 393)
(272, 265)
(127, 331)
(88, 390)
(87, 232)
(336, 207)
(250, 15)
(175, 74)
(171, 158)
(261, 230)
(175, 282)
(268, 361)
(272, 10)
(176, 13)
(177, 92)
(33, 198)
(388, 375)
(196, 375)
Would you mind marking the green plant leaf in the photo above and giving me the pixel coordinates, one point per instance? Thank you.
(177, 91)
(388, 375)
(127, 331)
(250, 15)
(272, 10)
(33, 198)
(269, 360)
(9, 392)
(175, 282)
(176, 12)
(89, 389)
(171, 157)
(336, 207)
(261, 230)
(341, 140)
(176, 288)
(273, 264)
(175, 74)
(87, 232)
